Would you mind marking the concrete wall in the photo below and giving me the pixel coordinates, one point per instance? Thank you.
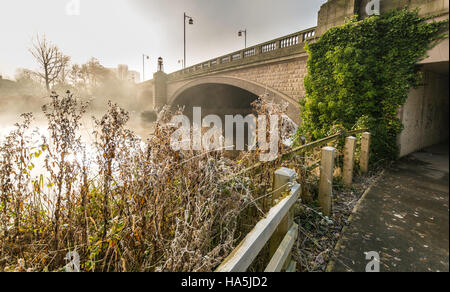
(334, 13)
(438, 53)
(425, 115)
(426, 7)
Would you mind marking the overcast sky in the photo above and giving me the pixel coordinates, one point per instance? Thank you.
(120, 31)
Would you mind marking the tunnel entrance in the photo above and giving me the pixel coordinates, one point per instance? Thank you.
(220, 100)
(425, 115)
(217, 99)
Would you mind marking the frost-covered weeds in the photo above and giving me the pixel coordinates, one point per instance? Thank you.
(129, 206)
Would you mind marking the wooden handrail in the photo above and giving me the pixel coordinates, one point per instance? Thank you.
(323, 141)
(305, 148)
(278, 229)
(280, 257)
(244, 255)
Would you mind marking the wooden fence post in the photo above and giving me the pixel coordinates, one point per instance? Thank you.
(306, 197)
(281, 184)
(365, 152)
(349, 160)
(326, 179)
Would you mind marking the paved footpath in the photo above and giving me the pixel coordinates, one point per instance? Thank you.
(404, 217)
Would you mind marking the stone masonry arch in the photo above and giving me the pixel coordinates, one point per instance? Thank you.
(176, 89)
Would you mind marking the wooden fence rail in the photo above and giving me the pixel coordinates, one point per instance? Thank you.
(247, 251)
(278, 228)
(312, 145)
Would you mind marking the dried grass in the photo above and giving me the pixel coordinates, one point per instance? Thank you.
(139, 206)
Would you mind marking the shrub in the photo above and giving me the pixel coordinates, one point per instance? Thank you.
(360, 73)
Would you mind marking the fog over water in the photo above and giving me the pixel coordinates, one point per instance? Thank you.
(136, 124)
(39, 128)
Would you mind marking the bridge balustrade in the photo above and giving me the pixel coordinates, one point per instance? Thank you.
(225, 60)
(308, 35)
(249, 53)
(236, 57)
(290, 41)
(281, 43)
(269, 47)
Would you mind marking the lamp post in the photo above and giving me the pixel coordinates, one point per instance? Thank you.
(160, 65)
(191, 22)
(245, 34)
(143, 65)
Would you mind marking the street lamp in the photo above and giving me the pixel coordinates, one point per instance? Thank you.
(191, 22)
(143, 65)
(160, 65)
(245, 34)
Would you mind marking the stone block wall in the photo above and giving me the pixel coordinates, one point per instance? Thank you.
(286, 77)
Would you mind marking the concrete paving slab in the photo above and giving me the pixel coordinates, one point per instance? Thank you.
(404, 217)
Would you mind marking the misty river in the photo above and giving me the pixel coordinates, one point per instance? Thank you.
(40, 128)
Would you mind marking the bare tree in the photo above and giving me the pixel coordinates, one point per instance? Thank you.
(65, 71)
(50, 59)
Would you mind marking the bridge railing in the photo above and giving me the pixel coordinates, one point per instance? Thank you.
(249, 54)
(272, 239)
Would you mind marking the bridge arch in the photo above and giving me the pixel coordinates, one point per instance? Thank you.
(252, 88)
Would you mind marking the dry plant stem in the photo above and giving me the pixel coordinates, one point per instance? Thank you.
(130, 205)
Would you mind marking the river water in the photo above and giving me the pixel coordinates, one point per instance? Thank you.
(39, 126)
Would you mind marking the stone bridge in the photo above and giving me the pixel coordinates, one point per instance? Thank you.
(277, 68)
(228, 84)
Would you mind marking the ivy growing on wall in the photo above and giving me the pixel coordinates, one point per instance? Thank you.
(360, 73)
